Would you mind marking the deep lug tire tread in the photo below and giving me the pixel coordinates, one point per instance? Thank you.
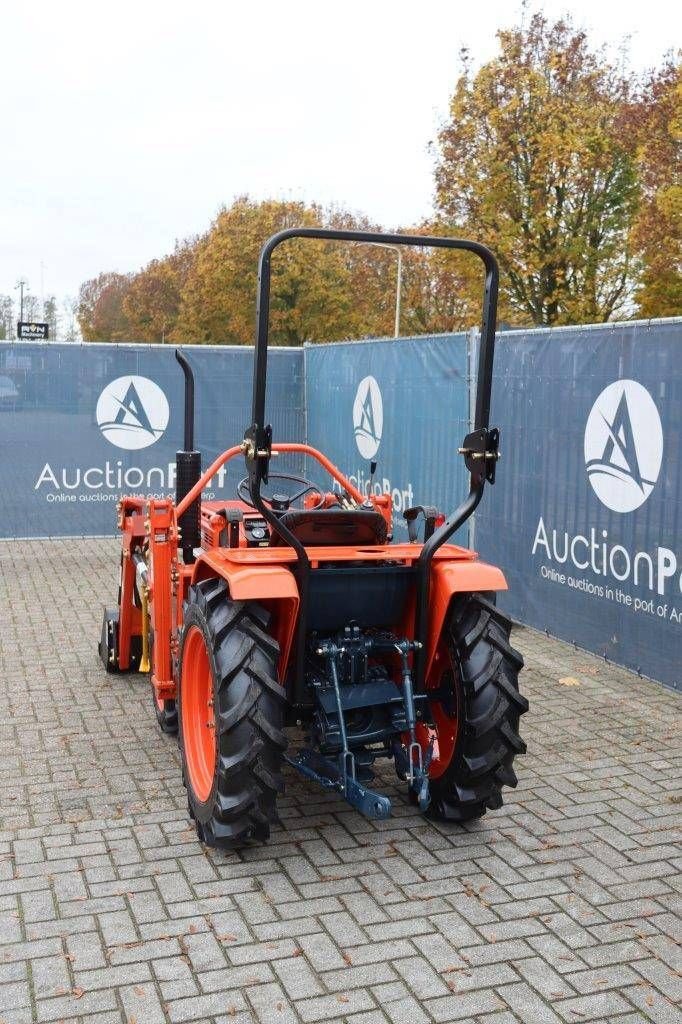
(486, 669)
(249, 716)
(166, 717)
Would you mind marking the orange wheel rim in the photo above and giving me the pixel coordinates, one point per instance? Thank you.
(198, 721)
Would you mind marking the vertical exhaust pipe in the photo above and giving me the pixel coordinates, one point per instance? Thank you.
(188, 471)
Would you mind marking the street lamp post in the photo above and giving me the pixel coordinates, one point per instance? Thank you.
(399, 282)
(21, 284)
(398, 292)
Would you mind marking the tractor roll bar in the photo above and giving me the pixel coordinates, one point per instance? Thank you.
(479, 449)
(485, 364)
(258, 437)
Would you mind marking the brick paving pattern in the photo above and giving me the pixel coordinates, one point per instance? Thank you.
(561, 907)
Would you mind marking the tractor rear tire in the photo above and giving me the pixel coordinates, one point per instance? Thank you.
(232, 743)
(484, 673)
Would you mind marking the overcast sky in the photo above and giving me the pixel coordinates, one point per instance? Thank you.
(127, 125)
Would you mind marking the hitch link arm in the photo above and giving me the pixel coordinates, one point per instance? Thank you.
(417, 768)
(340, 776)
(346, 759)
(403, 647)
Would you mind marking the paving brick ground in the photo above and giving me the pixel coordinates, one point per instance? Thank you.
(561, 907)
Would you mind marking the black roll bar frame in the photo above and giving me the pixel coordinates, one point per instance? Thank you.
(480, 447)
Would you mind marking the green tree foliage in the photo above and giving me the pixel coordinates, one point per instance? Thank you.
(442, 289)
(532, 162)
(50, 315)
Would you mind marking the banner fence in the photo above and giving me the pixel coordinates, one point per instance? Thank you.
(585, 515)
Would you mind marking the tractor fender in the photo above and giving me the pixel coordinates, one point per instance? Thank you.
(456, 577)
(273, 586)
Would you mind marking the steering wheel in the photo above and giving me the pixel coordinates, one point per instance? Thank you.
(281, 503)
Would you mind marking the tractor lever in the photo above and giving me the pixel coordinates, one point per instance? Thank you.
(368, 497)
(233, 517)
(431, 520)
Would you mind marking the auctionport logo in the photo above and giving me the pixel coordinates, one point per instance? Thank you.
(623, 455)
(368, 417)
(623, 446)
(132, 412)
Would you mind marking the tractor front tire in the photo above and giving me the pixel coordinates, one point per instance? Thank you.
(166, 712)
(231, 717)
(483, 674)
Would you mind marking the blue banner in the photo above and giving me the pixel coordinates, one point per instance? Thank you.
(80, 425)
(404, 404)
(585, 515)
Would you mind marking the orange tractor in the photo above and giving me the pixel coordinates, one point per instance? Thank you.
(290, 605)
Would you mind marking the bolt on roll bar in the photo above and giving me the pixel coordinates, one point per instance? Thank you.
(485, 367)
(480, 448)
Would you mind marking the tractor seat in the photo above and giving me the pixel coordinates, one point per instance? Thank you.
(331, 527)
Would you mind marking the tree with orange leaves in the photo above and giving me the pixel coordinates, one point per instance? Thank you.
(531, 162)
(656, 120)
